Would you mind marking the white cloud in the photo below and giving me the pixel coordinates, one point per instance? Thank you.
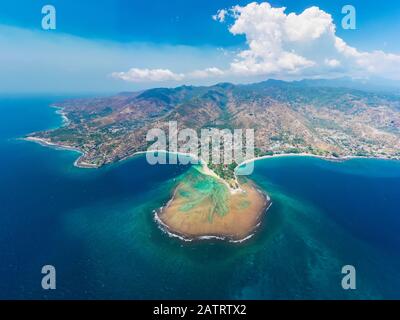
(162, 75)
(305, 44)
(145, 75)
(220, 16)
(307, 26)
(332, 63)
(282, 45)
(205, 73)
(39, 61)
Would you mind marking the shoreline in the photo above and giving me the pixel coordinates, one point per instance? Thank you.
(207, 170)
(77, 162)
(204, 169)
(85, 165)
(304, 154)
(60, 111)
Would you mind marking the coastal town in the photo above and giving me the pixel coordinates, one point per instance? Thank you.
(287, 118)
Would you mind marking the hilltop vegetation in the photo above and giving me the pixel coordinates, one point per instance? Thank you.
(314, 117)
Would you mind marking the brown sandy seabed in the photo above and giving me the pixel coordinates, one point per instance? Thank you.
(238, 224)
(245, 211)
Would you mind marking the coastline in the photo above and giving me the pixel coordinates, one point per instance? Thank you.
(46, 143)
(60, 111)
(85, 165)
(207, 171)
(304, 154)
(204, 169)
(77, 163)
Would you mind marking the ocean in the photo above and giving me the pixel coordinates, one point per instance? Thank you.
(97, 228)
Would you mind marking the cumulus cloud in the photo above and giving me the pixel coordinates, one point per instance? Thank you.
(144, 75)
(282, 45)
(304, 44)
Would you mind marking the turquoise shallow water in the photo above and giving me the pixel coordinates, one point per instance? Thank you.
(96, 226)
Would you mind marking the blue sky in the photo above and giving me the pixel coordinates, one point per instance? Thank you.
(97, 43)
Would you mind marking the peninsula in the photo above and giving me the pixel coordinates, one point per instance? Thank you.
(310, 117)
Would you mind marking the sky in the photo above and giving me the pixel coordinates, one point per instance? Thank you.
(111, 46)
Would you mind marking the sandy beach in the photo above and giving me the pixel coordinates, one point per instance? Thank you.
(329, 158)
(78, 162)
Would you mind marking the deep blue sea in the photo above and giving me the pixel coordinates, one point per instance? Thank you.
(96, 226)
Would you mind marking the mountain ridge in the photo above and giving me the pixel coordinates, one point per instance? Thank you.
(287, 117)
